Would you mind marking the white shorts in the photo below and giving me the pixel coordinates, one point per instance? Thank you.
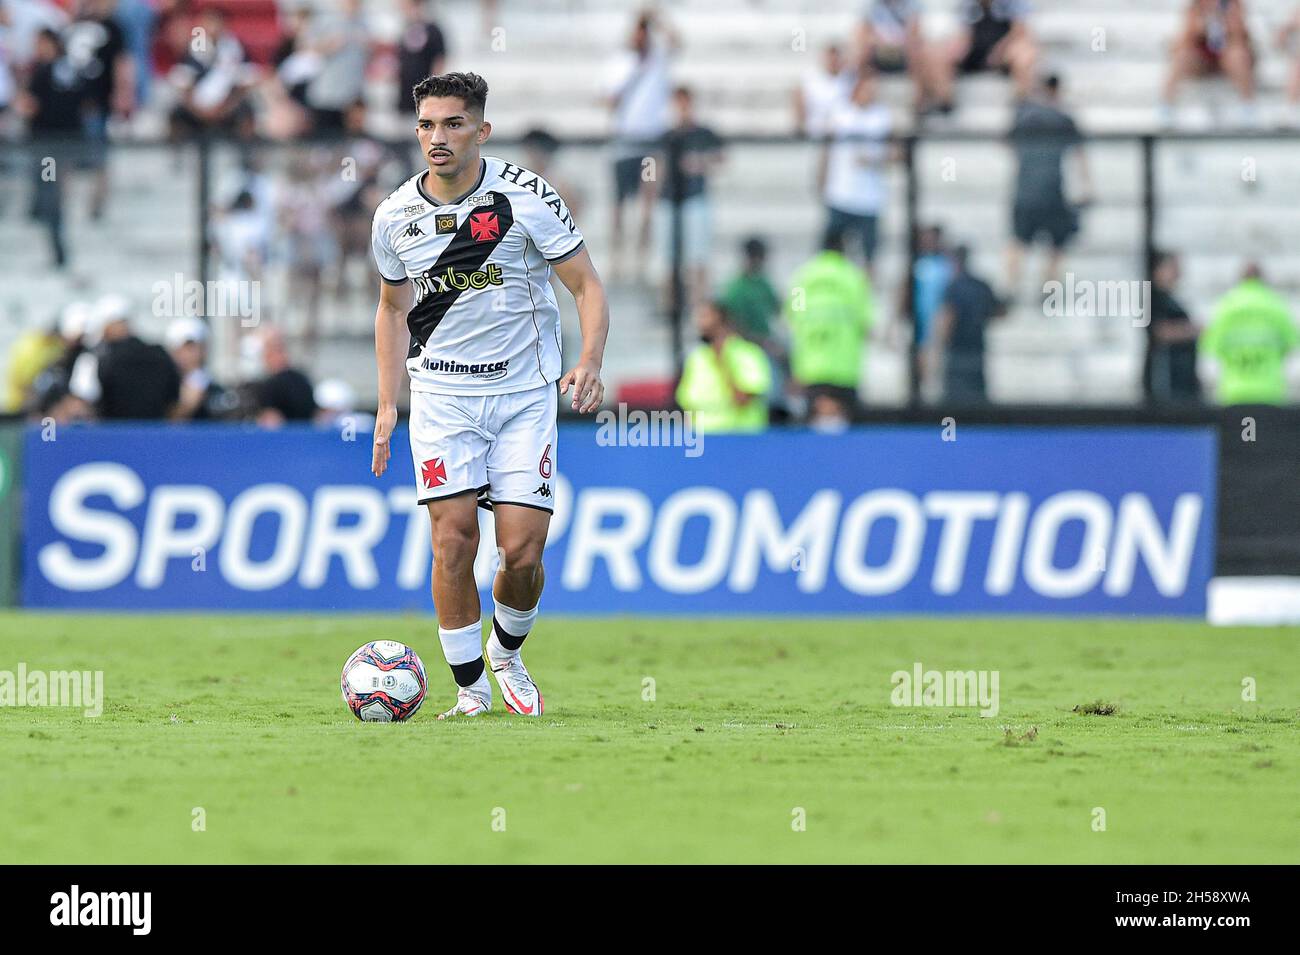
(501, 447)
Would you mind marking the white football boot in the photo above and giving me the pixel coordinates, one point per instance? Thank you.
(468, 703)
(518, 691)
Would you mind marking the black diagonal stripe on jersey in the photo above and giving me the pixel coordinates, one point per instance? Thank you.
(464, 254)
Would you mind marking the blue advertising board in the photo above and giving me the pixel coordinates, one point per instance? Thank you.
(879, 520)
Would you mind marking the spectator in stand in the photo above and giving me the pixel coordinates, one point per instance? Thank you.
(725, 378)
(23, 21)
(54, 401)
(700, 152)
(296, 65)
(96, 46)
(754, 305)
(890, 41)
(539, 149)
(421, 51)
(284, 393)
(968, 307)
(821, 91)
(931, 273)
(352, 199)
(995, 36)
(1250, 336)
(1286, 37)
(211, 81)
(638, 94)
(122, 376)
(1169, 369)
(750, 296)
(851, 174)
(1214, 40)
(1041, 135)
(30, 354)
(829, 312)
(74, 321)
(336, 405)
(52, 105)
(343, 43)
(310, 246)
(139, 20)
(201, 398)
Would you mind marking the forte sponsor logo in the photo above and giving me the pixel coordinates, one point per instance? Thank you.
(108, 528)
(76, 907)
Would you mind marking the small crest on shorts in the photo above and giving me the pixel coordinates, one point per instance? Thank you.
(434, 473)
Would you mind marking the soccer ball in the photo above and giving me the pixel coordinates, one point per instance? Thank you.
(383, 681)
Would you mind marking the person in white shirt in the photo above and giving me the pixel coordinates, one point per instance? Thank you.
(638, 90)
(821, 90)
(853, 162)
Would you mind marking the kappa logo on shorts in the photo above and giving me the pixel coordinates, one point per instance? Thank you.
(434, 473)
(544, 490)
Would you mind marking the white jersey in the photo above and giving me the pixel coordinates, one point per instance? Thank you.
(485, 320)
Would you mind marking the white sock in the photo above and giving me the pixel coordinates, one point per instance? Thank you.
(515, 623)
(465, 645)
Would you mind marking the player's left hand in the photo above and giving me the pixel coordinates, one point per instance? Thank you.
(588, 391)
(385, 422)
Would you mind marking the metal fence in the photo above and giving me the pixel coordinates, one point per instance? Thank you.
(294, 220)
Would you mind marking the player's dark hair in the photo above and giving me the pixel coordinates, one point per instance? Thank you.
(471, 88)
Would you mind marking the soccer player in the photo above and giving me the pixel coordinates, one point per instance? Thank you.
(465, 250)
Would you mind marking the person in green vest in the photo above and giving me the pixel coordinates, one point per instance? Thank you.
(1250, 335)
(725, 378)
(750, 296)
(829, 311)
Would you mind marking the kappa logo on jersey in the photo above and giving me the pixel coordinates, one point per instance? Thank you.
(484, 226)
(413, 230)
(434, 473)
(444, 225)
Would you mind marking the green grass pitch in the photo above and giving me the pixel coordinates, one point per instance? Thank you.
(754, 724)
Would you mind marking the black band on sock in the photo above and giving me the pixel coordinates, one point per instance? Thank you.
(467, 674)
(507, 640)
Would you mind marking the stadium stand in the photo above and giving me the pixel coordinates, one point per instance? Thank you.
(1218, 201)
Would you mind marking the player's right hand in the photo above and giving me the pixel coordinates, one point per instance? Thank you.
(385, 422)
